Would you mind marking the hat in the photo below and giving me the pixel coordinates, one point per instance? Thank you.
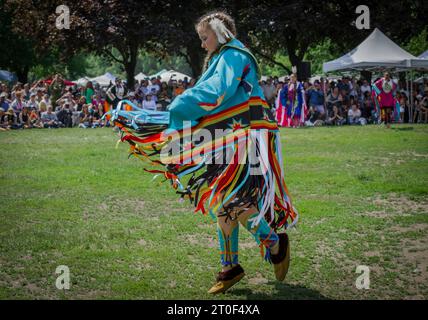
(32, 94)
(10, 111)
(3, 94)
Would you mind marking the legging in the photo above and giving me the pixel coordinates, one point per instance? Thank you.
(228, 231)
(386, 114)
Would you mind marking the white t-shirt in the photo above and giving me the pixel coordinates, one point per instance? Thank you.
(153, 88)
(354, 115)
(149, 105)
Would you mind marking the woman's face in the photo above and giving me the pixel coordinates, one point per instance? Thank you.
(208, 39)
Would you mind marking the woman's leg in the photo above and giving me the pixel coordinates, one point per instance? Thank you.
(263, 233)
(227, 232)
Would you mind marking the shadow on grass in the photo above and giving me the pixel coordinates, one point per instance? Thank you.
(403, 129)
(284, 292)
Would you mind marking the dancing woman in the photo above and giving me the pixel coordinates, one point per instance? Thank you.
(246, 186)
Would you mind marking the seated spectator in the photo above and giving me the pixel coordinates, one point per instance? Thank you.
(354, 115)
(365, 87)
(164, 97)
(18, 104)
(180, 89)
(423, 109)
(148, 103)
(32, 103)
(97, 113)
(334, 98)
(24, 118)
(45, 103)
(367, 108)
(35, 120)
(49, 119)
(4, 123)
(65, 115)
(336, 118)
(4, 103)
(80, 104)
(85, 117)
(11, 120)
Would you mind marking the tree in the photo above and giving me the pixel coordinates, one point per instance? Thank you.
(95, 26)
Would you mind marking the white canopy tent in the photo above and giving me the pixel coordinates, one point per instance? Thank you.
(375, 52)
(424, 55)
(104, 80)
(174, 75)
(82, 81)
(158, 74)
(140, 76)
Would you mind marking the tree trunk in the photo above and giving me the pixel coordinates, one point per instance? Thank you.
(195, 60)
(130, 66)
(22, 74)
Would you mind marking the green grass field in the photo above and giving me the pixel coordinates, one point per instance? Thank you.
(68, 197)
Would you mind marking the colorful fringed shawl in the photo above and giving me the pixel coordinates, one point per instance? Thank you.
(225, 120)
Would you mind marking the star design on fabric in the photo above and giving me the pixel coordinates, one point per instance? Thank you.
(236, 125)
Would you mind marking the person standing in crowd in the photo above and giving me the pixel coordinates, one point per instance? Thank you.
(316, 100)
(89, 92)
(117, 92)
(384, 91)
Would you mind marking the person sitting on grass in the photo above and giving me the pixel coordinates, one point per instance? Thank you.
(85, 117)
(354, 114)
(4, 125)
(49, 119)
(336, 118)
(65, 114)
(24, 118)
(97, 113)
(35, 120)
(12, 120)
(149, 103)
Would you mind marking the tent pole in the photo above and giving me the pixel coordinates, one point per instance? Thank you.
(411, 93)
(408, 98)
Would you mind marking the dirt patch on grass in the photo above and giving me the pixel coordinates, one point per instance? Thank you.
(394, 205)
(199, 240)
(257, 279)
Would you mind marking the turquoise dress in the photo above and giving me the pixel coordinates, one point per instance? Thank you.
(221, 137)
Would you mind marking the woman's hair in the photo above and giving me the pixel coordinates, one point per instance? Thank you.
(204, 23)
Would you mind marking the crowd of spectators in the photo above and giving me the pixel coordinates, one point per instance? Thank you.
(56, 103)
(349, 101)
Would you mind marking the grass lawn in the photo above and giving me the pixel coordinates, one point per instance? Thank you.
(68, 197)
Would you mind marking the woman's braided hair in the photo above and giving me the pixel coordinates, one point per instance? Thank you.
(204, 22)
